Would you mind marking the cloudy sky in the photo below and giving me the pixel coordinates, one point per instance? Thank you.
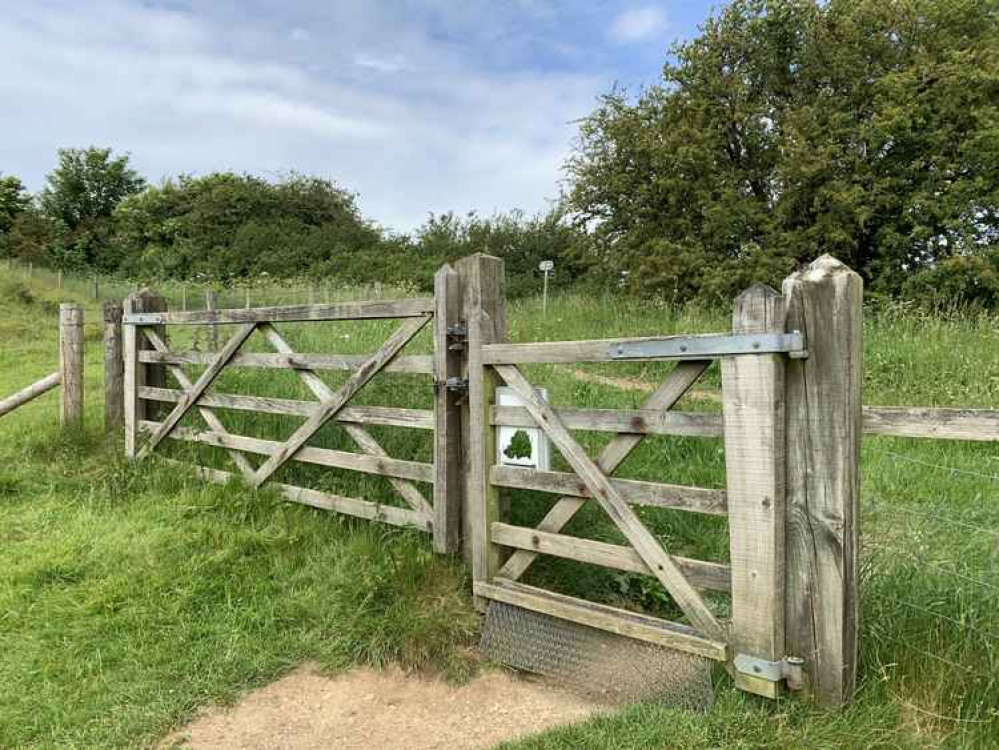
(418, 106)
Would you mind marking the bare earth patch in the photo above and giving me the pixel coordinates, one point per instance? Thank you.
(367, 709)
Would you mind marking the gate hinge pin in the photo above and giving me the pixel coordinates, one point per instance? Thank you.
(791, 669)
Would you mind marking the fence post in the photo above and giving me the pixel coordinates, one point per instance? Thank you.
(212, 303)
(71, 363)
(136, 373)
(753, 403)
(824, 421)
(448, 490)
(114, 370)
(485, 315)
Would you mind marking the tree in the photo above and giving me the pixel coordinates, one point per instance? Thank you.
(227, 226)
(790, 128)
(87, 186)
(13, 200)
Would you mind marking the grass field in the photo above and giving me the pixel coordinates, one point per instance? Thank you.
(132, 595)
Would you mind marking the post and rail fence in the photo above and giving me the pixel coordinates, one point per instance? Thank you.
(791, 422)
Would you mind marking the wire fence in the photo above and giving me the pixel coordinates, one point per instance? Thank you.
(931, 584)
(200, 295)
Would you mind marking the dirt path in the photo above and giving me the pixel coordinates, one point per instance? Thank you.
(366, 709)
(634, 384)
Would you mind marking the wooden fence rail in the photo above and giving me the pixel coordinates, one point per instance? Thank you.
(791, 420)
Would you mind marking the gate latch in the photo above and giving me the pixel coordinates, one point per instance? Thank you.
(790, 668)
(457, 335)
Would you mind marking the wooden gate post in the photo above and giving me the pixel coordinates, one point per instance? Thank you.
(824, 422)
(448, 454)
(212, 303)
(71, 363)
(753, 396)
(114, 370)
(484, 309)
(136, 373)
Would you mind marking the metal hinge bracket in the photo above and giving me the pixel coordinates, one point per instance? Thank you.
(790, 669)
(457, 385)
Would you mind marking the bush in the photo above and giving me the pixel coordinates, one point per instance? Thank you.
(961, 280)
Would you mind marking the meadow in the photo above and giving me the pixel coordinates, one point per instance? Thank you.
(133, 594)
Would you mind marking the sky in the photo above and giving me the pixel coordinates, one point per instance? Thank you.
(419, 107)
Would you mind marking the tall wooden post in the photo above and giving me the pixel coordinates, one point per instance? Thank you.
(824, 421)
(71, 363)
(485, 314)
(448, 455)
(212, 303)
(114, 367)
(136, 373)
(753, 395)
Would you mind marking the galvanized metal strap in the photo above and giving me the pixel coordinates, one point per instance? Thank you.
(792, 344)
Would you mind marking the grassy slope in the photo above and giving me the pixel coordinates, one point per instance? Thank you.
(131, 597)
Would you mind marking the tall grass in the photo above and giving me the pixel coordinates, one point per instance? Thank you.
(157, 593)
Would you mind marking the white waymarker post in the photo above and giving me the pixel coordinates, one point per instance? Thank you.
(547, 268)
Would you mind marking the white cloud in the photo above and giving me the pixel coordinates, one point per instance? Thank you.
(637, 24)
(191, 93)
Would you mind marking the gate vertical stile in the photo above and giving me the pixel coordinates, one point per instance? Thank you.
(753, 403)
(448, 353)
(484, 311)
(136, 373)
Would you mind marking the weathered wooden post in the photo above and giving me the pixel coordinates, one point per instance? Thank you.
(484, 310)
(450, 337)
(137, 373)
(824, 422)
(114, 367)
(753, 395)
(212, 303)
(71, 363)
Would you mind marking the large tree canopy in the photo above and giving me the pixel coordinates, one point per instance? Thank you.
(864, 128)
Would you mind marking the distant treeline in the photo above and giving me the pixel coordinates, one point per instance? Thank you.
(785, 129)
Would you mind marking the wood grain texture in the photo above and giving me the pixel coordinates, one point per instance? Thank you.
(753, 402)
(636, 421)
(601, 489)
(824, 424)
(937, 423)
(137, 373)
(114, 367)
(386, 416)
(683, 376)
(338, 399)
(482, 278)
(71, 363)
(619, 621)
(362, 310)
(387, 467)
(449, 491)
(416, 364)
(633, 491)
(702, 575)
(30, 393)
(349, 506)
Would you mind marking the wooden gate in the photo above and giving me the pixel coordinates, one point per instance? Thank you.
(751, 641)
(148, 358)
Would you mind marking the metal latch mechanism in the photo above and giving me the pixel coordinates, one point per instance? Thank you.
(791, 669)
(457, 385)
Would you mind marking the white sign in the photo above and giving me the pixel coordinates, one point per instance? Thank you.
(546, 266)
(521, 446)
